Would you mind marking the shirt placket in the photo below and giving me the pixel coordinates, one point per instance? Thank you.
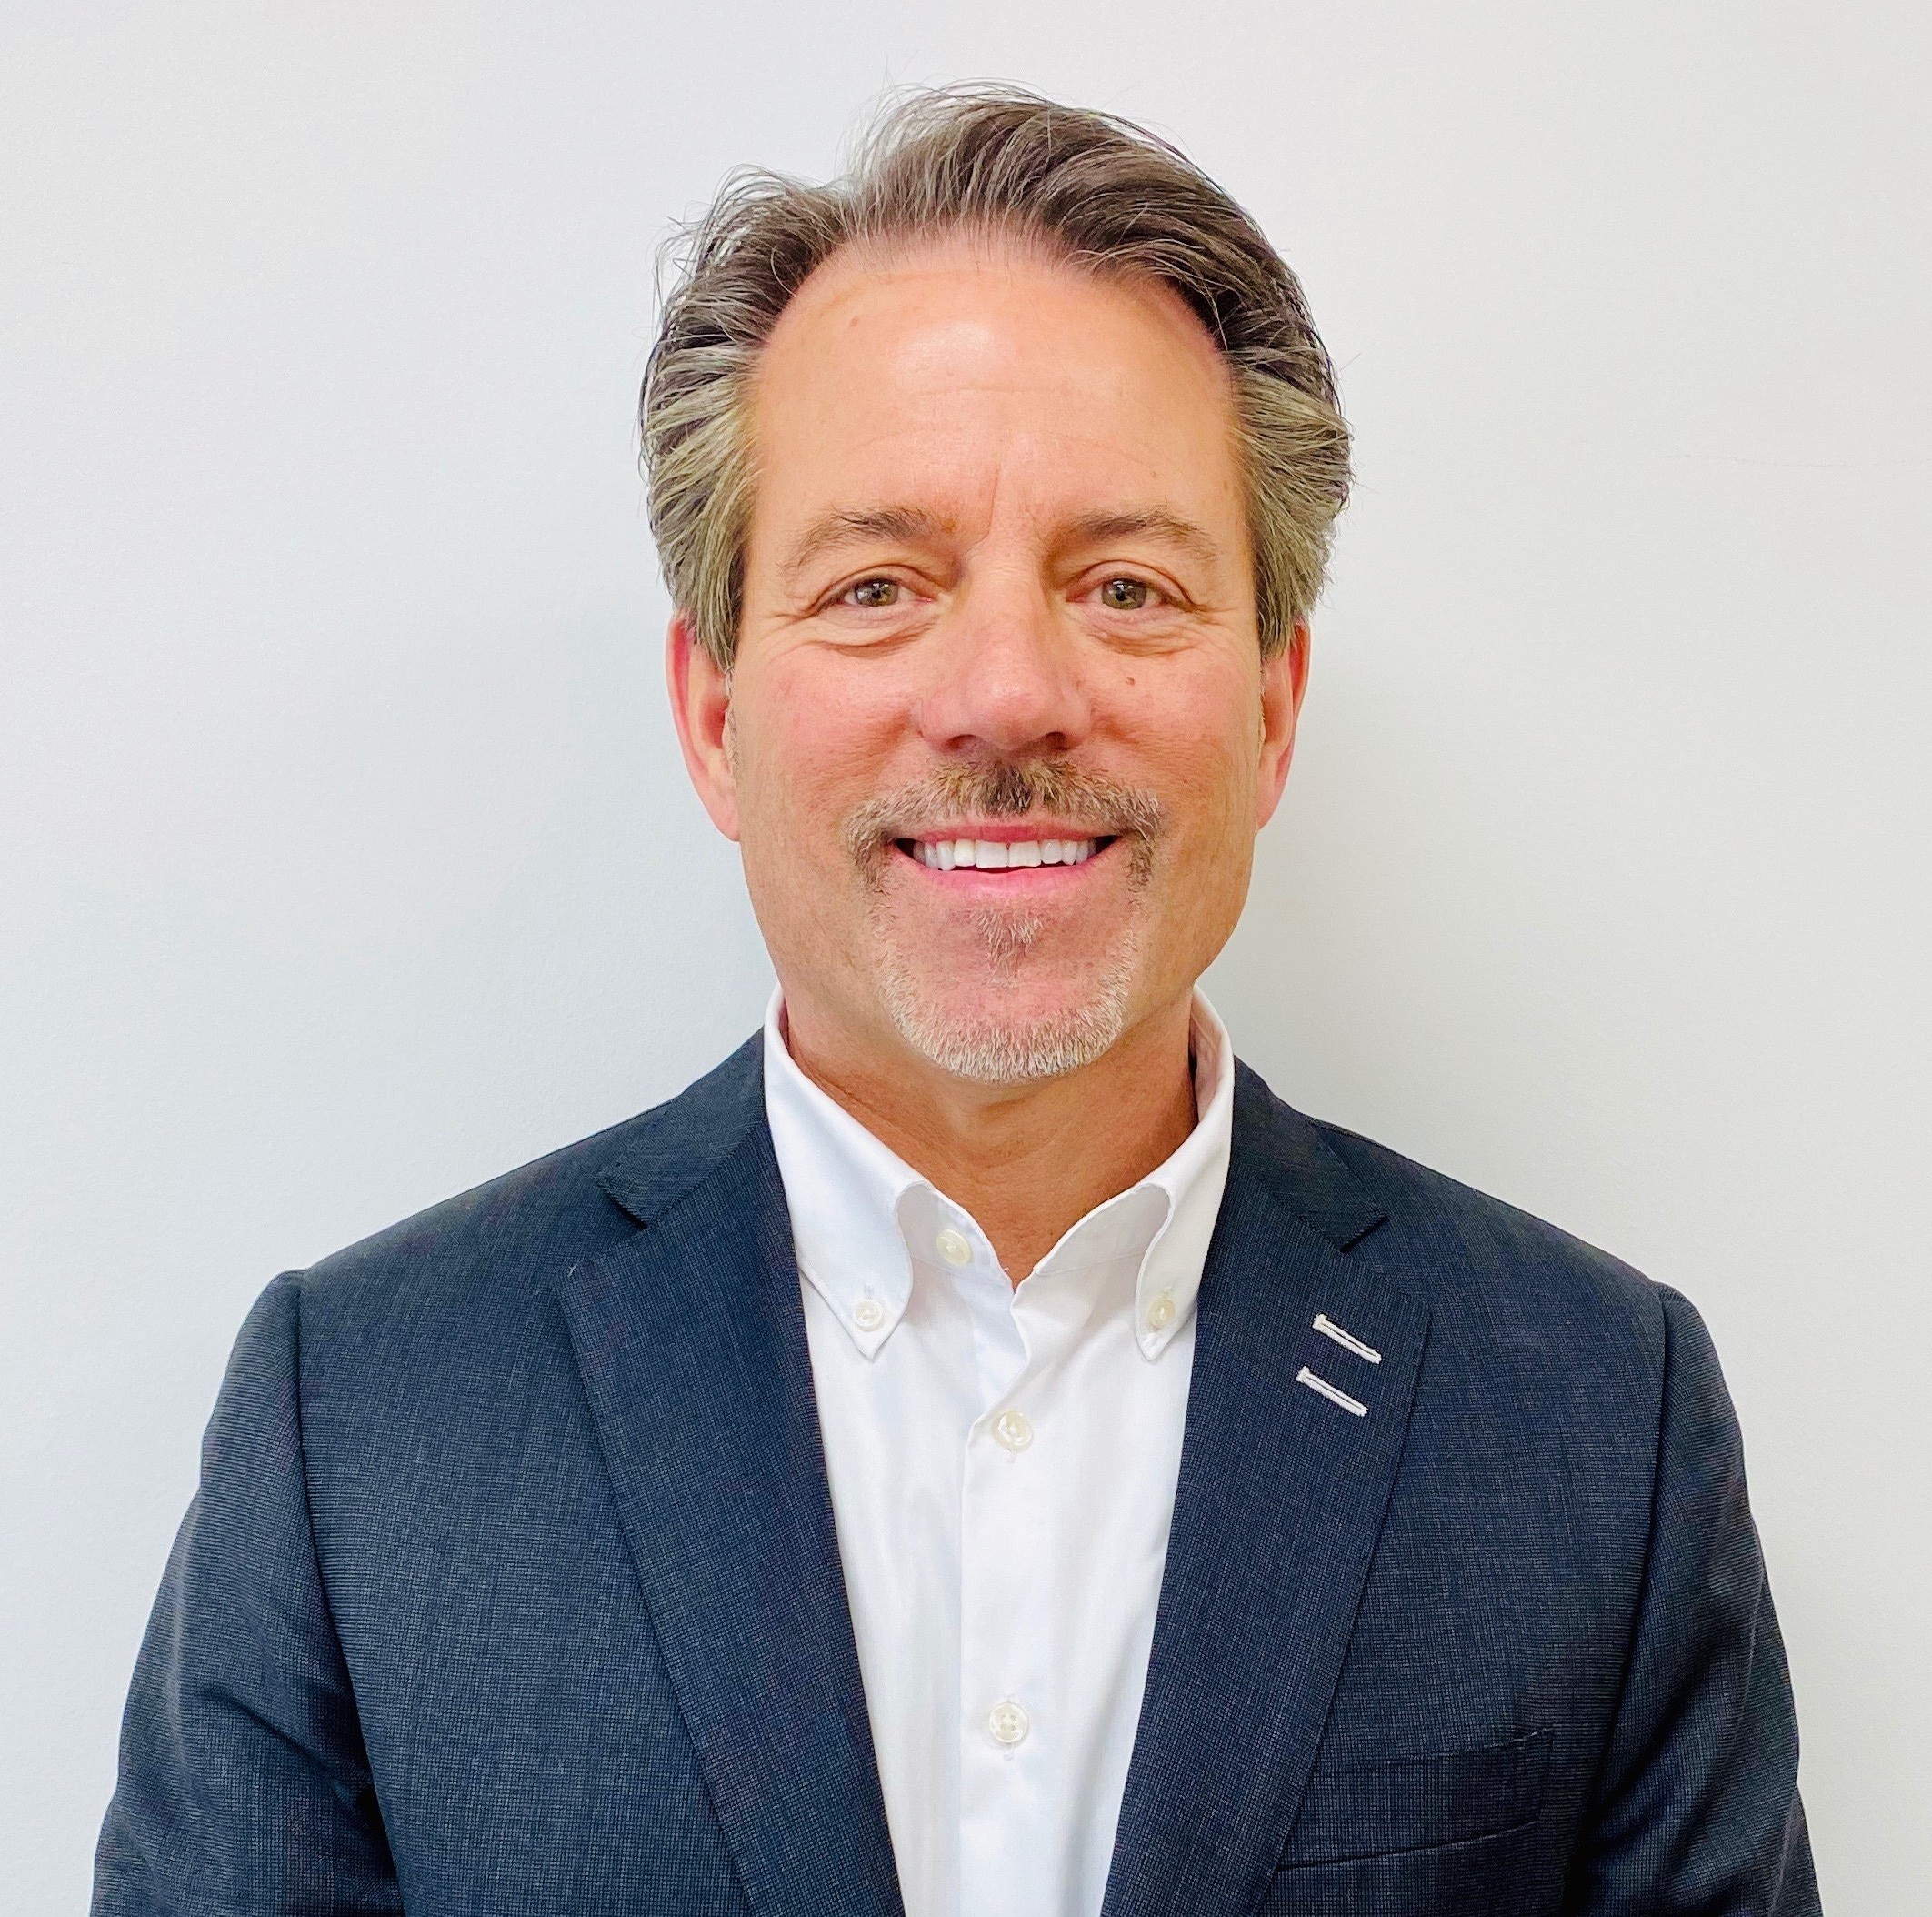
(1008, 1834)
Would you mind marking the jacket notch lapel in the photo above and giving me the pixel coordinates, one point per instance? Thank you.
(1293, 1440)
(690, 1341)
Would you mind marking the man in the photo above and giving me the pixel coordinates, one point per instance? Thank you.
(978, 1451)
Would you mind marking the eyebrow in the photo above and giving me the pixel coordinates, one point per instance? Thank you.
(1154, 521)
(852, 525)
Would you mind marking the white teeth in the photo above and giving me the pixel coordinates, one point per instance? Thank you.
(987, 855)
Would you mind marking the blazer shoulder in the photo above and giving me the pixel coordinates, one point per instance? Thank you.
(1519, 1278)
(522, 1231)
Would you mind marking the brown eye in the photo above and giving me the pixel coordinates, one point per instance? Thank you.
(1123, 595)
(875, 593)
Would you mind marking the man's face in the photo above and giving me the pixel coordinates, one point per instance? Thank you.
(998, 735)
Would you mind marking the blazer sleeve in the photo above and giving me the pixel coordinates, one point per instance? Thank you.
(1696, 1807)
(243, 1785)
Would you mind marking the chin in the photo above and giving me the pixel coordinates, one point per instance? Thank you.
(1004, 1031)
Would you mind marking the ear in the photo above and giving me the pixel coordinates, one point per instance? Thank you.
(701, 706)
(1284, 680)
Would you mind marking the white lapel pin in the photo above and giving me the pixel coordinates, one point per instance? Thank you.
(1304, 1376)
(1348, 1342)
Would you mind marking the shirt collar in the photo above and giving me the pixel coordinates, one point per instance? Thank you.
(860, 1214)
(843, 1187)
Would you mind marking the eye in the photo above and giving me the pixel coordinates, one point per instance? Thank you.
(1124, 595)
(872, 594)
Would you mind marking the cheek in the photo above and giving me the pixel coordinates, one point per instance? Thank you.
(1203, 753)
(811, 744)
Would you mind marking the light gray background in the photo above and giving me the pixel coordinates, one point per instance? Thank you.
(347, 861)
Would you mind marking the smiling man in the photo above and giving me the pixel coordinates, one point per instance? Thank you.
(978, 1451)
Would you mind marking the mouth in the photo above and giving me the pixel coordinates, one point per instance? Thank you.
(1045, 831)
(1005, 853)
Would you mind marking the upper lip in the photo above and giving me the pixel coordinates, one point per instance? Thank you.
(1004, 832)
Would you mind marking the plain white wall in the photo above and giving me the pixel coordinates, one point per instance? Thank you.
(347, 857)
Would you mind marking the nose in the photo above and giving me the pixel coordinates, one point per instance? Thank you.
(1006, 678)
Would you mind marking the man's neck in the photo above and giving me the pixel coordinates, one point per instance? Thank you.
(1027, 1160)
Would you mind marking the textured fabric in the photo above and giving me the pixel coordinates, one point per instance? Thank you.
(1002, 1463)
(512, 1583)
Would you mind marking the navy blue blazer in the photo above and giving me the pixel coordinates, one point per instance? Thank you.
(511, 1585)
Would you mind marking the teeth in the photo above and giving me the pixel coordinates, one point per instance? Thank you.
(987, 855)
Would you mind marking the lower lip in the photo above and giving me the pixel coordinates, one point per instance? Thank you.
(1007, 881)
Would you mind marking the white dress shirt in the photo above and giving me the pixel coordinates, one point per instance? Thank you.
(1003, 1462)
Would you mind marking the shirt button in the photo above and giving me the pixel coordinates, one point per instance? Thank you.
(868, 1314)
(1008, 1723)
(1014, 1429)
(1160, 1313)
(954, 1247)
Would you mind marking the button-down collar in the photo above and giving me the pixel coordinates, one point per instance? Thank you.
(862, 1219)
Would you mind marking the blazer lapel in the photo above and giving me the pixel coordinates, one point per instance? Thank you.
(690, 1339)
(1281, 1500)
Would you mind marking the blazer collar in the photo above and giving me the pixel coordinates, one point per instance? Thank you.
(658, 1158)
(1281, 1500)
(690, 1341)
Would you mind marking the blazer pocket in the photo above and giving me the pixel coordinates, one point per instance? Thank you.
(1411, 1803)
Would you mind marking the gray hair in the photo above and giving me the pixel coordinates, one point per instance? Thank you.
(1099, 192)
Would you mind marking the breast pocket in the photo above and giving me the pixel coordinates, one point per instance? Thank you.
(1371, 1809)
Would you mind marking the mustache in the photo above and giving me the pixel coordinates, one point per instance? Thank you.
(1006, 789)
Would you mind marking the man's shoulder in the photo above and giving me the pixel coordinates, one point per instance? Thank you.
(1495, 1277)
(505, 1241)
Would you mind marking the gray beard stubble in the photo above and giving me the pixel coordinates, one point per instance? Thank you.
(986, 1048)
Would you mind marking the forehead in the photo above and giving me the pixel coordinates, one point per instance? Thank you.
(972, 373)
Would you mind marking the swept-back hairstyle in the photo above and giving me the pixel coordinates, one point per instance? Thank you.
(1096, 191)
